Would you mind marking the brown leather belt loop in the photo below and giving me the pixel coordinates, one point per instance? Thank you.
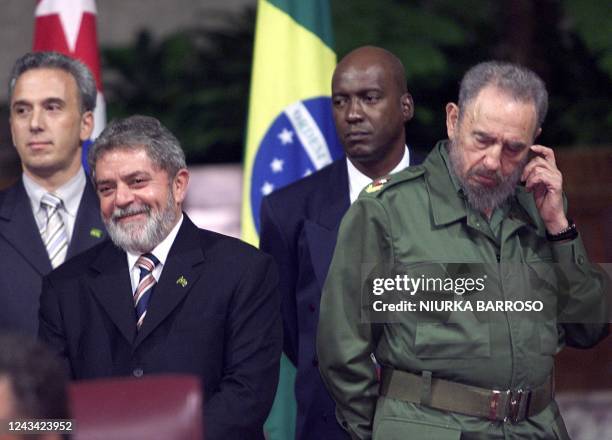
(509, 405)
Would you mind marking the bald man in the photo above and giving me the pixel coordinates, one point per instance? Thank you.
(299, 223)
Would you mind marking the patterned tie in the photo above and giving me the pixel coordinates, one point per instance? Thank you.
(53, 232)
(142, 295)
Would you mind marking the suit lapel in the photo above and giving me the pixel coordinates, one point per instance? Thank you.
(178, 276)
(88, 227)
(113, 289)
(321, 234)
(19, 228)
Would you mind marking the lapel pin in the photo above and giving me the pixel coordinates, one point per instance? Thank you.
(182, 281)
(95, 232)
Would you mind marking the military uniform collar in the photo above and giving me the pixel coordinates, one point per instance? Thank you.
(447, 201)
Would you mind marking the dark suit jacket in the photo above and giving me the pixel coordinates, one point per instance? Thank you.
(24, 259)
(221, 323)
(299, 226)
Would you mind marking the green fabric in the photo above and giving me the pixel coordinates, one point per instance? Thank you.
(314, 15)
(419, 221)
(280, 424)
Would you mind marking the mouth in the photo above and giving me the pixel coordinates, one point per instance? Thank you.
(39, 145)
(127, 216)
(484, 180)
(357, 135)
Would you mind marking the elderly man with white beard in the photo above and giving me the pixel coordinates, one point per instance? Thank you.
(165, 296)
(481, 222)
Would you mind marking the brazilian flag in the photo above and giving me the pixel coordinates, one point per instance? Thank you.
(290, 131)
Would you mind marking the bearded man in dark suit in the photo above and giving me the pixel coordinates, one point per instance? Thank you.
(164, 296)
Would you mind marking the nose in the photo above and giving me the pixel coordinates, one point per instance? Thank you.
(123, 196)
(492, 158)
(354, 111)
(36, 120)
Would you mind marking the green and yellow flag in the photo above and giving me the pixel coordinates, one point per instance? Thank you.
(290, 131)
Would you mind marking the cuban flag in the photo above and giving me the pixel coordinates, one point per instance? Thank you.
(69, 27)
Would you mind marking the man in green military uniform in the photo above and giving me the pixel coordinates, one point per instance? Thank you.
(490, 200)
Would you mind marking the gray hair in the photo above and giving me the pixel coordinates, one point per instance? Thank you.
(135, 133)
(519, 82)
(86, 84)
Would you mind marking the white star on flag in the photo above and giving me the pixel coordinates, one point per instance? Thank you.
(70, 13)
(286, 136)
(307, 173)
(267, 188)
(277, 165)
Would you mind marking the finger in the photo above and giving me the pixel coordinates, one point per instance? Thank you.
(541, 176)
(535, 163)
(545, 152)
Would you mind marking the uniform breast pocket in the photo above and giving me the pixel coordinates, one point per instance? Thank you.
(462, 338)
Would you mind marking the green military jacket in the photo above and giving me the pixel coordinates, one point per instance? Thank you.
(417, 223)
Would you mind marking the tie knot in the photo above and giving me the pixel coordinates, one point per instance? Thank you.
(50, 201)
(147, 262)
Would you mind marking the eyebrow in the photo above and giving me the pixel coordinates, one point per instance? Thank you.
(130, 176)
(52, 100)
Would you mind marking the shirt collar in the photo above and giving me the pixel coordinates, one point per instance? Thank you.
(160, 251)
(358, 180)
(70, 192)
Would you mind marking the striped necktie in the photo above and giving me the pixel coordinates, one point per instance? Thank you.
(53, 232)
(146, 263)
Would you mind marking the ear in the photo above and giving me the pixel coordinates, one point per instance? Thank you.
(179, 185)
(87, 125)
(12, 132)
(407, 106)
(452, 119)
(537, 133)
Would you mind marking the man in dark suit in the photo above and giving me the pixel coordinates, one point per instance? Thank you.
(165, 296)
(52, 98)
(299, 223)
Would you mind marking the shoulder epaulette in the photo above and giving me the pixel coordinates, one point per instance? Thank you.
(381, 184)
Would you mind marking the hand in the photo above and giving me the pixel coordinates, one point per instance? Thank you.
(544, 180)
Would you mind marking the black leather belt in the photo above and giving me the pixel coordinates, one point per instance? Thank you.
(508, 405)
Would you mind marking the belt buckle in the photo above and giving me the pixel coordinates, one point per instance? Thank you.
(517, 405)
(513, 405)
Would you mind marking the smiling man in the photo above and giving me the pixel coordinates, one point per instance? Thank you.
(52, 212)
(463, 216)
(164, 296)
(299, 223)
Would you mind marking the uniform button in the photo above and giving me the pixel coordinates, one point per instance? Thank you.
(580, 259)
(311, 307)
(138, 372)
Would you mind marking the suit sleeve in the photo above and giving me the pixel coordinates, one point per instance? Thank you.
(251, 365)
(275, 242)
(51, 328)
(344, 340)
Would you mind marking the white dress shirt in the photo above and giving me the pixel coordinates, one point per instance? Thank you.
(70, 192)
(358, 181)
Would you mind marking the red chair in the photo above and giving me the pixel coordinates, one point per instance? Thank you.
(167, 407)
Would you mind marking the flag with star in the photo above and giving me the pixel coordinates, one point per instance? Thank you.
(69, 27)
(290, 131)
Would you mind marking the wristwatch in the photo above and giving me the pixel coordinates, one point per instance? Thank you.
(568, 233)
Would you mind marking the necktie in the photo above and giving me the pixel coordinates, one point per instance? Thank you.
(142, 294)
(53, 232)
